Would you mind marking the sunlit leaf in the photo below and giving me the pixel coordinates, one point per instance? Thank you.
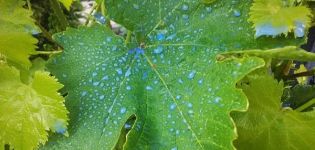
(16, 41)
(276, 17)
(67, 3)
(27, 112)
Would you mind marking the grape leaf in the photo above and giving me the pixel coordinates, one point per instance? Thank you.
(298, 95)
(67, 3)
(16, 41)
(27, 112)
(276, 17)
(265, 125)
(172, 103)
(171, 81)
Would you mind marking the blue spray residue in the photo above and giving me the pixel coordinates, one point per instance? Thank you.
(269, 30)
(158, 50)
(137, 51)
(60, 127)
(299, 30)
(100, 18)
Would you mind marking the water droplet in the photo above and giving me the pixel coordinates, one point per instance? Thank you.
(108, 39)
(236, 13)
(189, 105)
(94, 74)
(105, 78)
(299, 31)
(200, 81)
(185, 7)
(102, 97)
(128, 72)
(158, 50)
(149, 88)
(160, 36)
(174, 148)
(127, 126)
(100, 18)
(202, 16)
(145, 75)
(172, 106)
(128, 88)
(190, 112)
(192, 74)
(60, 127)
(209, 9)
(135, 6)
(180, 81)
(217, 99)
(185, 17)
(171, 37)
(177, 132)
(96, 83)
(84, 93)
(123, 110)
(119, 71)
(178, 97)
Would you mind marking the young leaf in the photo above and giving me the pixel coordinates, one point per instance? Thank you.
(276, 17)
(170, 81)
(16, 41)
(27, 112)
(67, 3)
(265, 125)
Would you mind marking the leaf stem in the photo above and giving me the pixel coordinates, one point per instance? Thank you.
(302, 74)
(306, 105)
(128, 38)
(48, 52)
(29, 5)
(104, 13)
(60, 15)
(90, 14)
(46, 34)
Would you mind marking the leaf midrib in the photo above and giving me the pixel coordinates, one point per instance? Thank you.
(175, 102)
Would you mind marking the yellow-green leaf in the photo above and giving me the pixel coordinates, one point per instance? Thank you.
(67, 3)
(16, 40)
(276, 17)
(27, 112)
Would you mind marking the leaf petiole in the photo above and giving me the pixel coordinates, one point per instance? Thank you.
(48, 52)
(306, 105)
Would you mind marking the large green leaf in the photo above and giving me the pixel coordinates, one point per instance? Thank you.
(16, 41)
(27, 112)
(265, 125)
(171, 82)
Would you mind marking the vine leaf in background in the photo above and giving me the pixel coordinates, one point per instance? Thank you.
(276, 17)
(171, 81)
(67, 3)
(265, 125)
(298, 95)
(16, 41)
(27, 112)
